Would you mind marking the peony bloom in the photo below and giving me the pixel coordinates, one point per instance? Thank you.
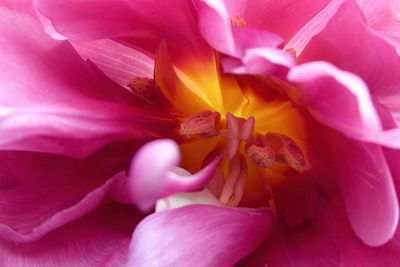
(199, 133)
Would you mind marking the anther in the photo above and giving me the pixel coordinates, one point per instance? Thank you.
(286, 150)
(262, 156)
(237, 21)
(204, 124)
(144, 89)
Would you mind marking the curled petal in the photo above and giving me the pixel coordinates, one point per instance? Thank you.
(154, 174)
(199, 235)
(324, 88)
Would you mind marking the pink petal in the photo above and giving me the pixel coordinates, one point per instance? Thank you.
(100, 238)
(366, 183)
(65, 107)
(90, 19)
(46, 191)
(353, 252)
(154, 174)
(267, 15)
(141, 22)
(28, 215)
(324, 88)
(199, 235)
(256, 48)
(119, 62)
(313, 27)
(382, 15)
(364, 53)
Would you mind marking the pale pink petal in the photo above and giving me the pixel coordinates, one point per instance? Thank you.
(199, 235)
(53, 101)
(120, 63)
(100, 238)
(383, 16)
(154, 174)
(322, 88)
(313, 243)
(312, 27)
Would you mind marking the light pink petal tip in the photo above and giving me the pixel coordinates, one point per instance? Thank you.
(100, 238)
(119, 62)
(340, 100)
(154, 174)
(199, 235)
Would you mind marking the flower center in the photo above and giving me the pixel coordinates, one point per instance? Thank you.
(243, 148)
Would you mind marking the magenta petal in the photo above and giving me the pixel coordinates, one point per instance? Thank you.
(154, 174)
(53, 101)
(369, 53)
(311, 244)
(353, 252)
(27, 215)
(256, 48)
(366, 183)
(324, 88)
(100, 238)
(199, 235)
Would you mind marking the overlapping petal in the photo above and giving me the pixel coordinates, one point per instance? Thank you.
(54, 102)
(364, 178)
(96, 239)
(364, 53)
(199, 235)
(256, 49)
(323, 88)
(119, 62)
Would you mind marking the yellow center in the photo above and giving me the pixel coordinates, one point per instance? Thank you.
(196, 87)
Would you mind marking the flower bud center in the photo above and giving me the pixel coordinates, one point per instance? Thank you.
(240, 142)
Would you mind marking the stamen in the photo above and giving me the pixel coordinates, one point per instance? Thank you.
(203, 124)
(286, 150)
(237, 21)
(293, 156)
(144, 89)
(262, 156)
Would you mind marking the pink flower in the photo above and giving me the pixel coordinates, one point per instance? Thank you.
(199, 133)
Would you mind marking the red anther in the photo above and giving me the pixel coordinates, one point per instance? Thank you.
(203, 124)
(144, 89)
(286, 150)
